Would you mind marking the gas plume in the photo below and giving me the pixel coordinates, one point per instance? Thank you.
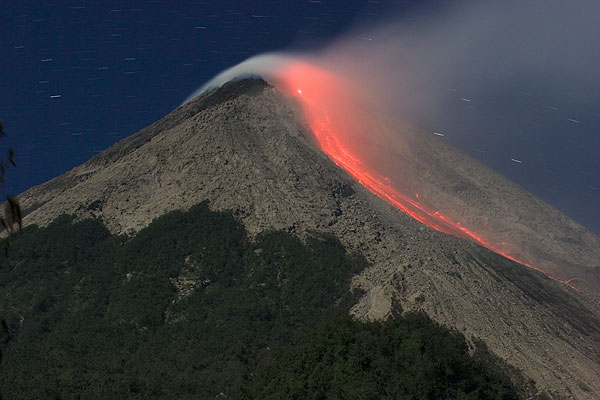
(488, 75)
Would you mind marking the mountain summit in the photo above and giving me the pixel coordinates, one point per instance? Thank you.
(246, 148)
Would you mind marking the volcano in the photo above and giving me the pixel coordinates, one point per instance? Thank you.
(252, 149)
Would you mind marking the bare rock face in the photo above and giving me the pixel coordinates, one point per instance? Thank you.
(534, 232)
(245, 149)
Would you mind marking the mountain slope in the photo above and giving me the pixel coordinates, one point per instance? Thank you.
(244, 148)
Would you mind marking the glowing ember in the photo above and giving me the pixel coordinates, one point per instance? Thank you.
(339, 127)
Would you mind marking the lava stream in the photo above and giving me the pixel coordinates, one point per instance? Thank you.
(339, 127)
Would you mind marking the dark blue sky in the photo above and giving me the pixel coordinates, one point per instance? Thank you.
(77, 76)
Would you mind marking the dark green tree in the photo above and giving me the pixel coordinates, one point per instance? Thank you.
(12, 216)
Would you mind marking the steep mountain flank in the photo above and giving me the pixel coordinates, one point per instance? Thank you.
(246, 149)
(485, 201)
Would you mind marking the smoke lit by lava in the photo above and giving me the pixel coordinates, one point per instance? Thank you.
(355, 93)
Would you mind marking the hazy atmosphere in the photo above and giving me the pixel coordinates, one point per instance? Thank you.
(514, 85)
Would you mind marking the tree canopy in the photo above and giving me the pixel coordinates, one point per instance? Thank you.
(191, 307)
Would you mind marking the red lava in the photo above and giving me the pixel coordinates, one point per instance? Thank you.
(328, 107)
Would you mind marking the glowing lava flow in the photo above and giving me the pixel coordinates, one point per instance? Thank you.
(339, 126)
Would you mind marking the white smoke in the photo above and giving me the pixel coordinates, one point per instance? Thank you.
(262, 65)
(511, 79)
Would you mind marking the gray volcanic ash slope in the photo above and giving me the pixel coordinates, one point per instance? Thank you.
(534, 232)
(244, 148)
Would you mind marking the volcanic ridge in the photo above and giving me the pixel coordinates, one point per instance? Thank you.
(247, 148)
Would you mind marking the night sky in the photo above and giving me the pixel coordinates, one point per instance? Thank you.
(77, 76)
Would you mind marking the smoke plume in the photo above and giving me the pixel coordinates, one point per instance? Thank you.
(515, 84)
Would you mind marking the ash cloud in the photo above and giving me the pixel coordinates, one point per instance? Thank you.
(503, 81)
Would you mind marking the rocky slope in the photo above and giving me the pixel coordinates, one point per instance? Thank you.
(244, 148)
(488, 203)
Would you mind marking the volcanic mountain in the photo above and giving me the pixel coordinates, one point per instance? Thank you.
(247, 148)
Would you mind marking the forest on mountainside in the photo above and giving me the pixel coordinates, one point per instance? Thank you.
(191, 307)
